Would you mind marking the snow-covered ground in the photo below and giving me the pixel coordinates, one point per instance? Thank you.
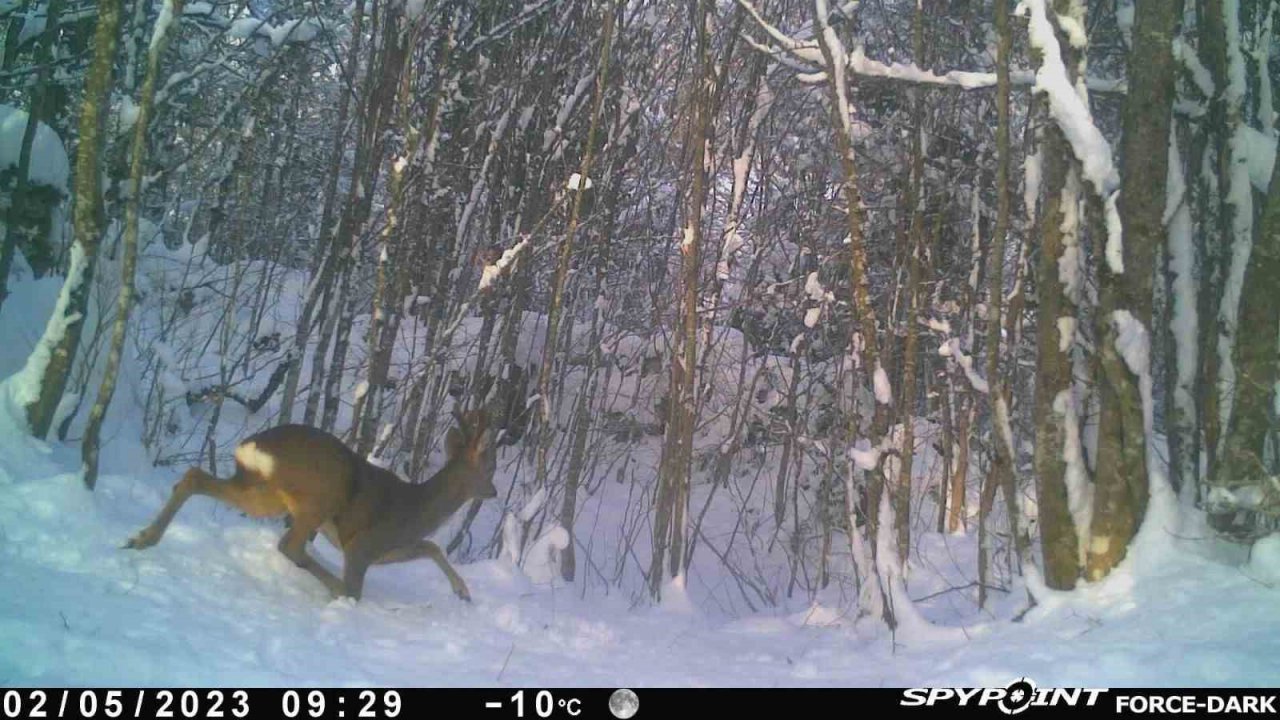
(215, 604)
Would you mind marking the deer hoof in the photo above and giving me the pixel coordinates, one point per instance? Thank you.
(142, 540)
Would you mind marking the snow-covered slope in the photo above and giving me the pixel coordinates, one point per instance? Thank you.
(214, 603)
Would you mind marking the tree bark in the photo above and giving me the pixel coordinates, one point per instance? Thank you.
(49, 366)
(671, 503)
(1054, 402)
(124, 303)
(325, 261)
(1000, 474)
(842, 133)
(15, 218)
(1125, 299)
(1246, 464)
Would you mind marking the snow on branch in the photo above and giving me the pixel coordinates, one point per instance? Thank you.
(1072, 116)
(795, 52)
(807, 51)
(26, 383)
(496, 270)
(529, 12)
(293, 31)
(951, 348)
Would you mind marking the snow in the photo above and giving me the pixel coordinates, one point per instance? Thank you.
(575, 181)
(811, 316)
(864, 456)
(1133, 343)
(675, 598)
(1032, 170)
(1199, 74)
(217, 589)
(940, 326)
(163, 22)
(525, 116)
(1071, 113)
(34, 22)
(1184, 323)
(1179, 612)
(533, 504)
(1114, 246)
(1239, 196)
(1237, 84)
(245, 28)
(1124, 19)
(126, 114)
(1262, 56)
(49, 163)
(1073, 28)
(1003, 424)
(1071, 261)
(862, 65)
(884, 391)
(815, 290)
(1066, 332)
(25, 386)
(975, 231)
(542, 560)
(295, 31)
(1079, 488)
(567, 107)
(951, 348)
(1259, 152)
(491, 273)
(1264, 559)
(302, 30)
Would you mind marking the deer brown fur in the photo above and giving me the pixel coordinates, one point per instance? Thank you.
(368, 512)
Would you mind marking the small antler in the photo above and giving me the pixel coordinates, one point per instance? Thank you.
(471, 423)
(478, 421)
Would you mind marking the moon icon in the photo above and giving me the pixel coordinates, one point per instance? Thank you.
(624, 704)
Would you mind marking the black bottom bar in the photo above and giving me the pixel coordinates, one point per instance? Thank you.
(1020, 697)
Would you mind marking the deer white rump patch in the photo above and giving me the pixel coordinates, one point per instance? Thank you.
(255, 459)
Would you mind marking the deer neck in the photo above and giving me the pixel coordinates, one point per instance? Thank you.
(441, 496)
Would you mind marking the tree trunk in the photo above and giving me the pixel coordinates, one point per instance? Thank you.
(1183, 321)
(1056, 417)
(16, 221)
(1000, 473)
(49, 365)
(124, 303)
(325, 260)
(546, 422)
(1125, 299)
(675, 470)
(842, 132)
(1248, 461)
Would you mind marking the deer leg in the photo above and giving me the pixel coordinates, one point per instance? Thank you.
(426, 548)
(254, 498)
(354, 567)
(294, 546)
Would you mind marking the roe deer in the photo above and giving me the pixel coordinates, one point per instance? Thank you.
(372, 515)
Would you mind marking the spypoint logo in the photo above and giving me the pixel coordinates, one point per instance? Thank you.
(1017, 696)
(1012, 699)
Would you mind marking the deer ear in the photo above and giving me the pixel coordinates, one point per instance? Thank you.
(454, 443)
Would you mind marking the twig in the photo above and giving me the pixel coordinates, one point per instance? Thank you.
(505, 661)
